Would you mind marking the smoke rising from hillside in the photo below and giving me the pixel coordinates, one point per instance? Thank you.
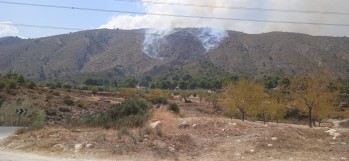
(164, 24)
(8, 30)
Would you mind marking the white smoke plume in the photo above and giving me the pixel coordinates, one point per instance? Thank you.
(162, 24)
(6, 29)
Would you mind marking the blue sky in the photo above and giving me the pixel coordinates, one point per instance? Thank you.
(61, 17)
(31, 15)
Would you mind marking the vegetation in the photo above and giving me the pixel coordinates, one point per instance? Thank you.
(274, 97)
(314, 95)
(157, 96)
(278, 101)
(174, 108)
(34, 118)
(130, 113)
(245, 96)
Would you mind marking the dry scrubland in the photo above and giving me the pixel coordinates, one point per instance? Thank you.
(198, 132)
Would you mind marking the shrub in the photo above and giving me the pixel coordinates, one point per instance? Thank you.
(34, 119)
(64, 109)
(80, 104)
(12, 85)
(123, 132)
(2, 85)
(174, 107)
(67, 86)
(159, 100)
(68, 101)
(131, 113)
(31, 85)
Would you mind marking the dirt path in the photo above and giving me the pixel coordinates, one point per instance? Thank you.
(11, 155)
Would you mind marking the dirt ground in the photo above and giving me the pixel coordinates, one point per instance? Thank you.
(195, 134)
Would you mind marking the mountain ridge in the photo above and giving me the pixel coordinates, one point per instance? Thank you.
(113, 54)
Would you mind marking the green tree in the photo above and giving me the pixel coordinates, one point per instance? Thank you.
(128, 82)
(145, 82)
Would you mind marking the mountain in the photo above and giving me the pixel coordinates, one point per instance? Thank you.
(117, 53)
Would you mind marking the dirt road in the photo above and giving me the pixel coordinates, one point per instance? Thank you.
(6, 155)
(10, 155)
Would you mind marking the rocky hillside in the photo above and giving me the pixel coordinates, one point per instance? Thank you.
(117, 53)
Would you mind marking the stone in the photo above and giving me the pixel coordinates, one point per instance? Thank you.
(156, 124)
(274, 138)
(88, 146)
(172, 149)
(183, 125)
(77, 147)
(270, 145)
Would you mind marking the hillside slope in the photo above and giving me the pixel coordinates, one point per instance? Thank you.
(116, 53)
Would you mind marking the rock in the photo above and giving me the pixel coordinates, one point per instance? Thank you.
(344, 123)
(232, 123)
(270, 145)
(171, 148)
(252, 150)
(274, 138)
(156, 124)
(88, 146)
(183, 125)
(333, 133)
(77, 147)
(194, 125)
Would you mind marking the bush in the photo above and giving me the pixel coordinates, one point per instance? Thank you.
(34, 119)
(80, 104)
(67, 86)
(174, 107)
(31, 85)
(131, 113)
(2, 85)
(159, 100)
(68, 101)
(123, 132)
(12, 85)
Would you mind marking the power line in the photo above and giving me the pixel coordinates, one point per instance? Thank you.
(182, 16)
(39, 26)
(237, 8)
(61, 28)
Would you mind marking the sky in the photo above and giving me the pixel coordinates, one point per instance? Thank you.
(72, 18)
